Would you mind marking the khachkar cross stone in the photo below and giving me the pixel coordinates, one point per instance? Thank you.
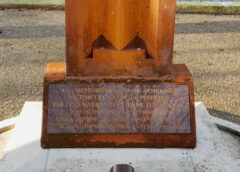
(119, 87)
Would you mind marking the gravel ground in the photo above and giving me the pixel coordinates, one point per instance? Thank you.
(208, 44)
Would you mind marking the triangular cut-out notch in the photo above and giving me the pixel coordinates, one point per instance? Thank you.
(137, 44)
(102, 43)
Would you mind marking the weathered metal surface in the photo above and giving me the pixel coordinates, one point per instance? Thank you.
(104, 37)
(117, 45)
(122, 168)
(180, 75)
(118, 108)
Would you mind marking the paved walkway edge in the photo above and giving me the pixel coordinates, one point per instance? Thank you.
(182, 7)
(32, 6)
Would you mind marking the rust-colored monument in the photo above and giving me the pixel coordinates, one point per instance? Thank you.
(119, 87)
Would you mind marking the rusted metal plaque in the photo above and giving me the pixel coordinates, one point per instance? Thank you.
(118, 108)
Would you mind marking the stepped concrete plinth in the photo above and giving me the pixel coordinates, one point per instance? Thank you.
(216, 150)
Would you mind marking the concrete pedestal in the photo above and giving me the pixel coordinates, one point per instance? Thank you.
(216, 150)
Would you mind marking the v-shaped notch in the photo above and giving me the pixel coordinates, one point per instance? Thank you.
(102, 43)
(136, 43)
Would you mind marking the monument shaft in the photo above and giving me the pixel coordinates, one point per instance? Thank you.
(118, 87)
(120, 22)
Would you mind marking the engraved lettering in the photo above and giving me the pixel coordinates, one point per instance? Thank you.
(118, 108)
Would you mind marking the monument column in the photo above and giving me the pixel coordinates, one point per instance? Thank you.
(118, 87)
(121, 27)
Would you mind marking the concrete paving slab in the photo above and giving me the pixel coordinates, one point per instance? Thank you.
(216, 150)
(211, 154)
(23, 152)
(101, 160)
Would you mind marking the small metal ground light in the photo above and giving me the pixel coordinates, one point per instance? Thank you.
(122, 168)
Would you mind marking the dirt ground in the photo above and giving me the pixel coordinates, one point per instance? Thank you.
(208, 44)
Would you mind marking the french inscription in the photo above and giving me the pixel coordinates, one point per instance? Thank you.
(118, 108)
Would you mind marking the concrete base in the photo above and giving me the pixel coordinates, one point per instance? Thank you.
(216, 150)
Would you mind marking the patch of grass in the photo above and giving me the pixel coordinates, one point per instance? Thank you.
(208, 8)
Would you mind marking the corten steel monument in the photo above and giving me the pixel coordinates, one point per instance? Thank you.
(123, 37)
(119, 87)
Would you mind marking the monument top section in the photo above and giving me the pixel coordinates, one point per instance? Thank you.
(120, 37)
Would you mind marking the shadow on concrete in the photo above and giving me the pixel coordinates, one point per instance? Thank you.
(14, 159)
(13, 32)
(225, 115)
